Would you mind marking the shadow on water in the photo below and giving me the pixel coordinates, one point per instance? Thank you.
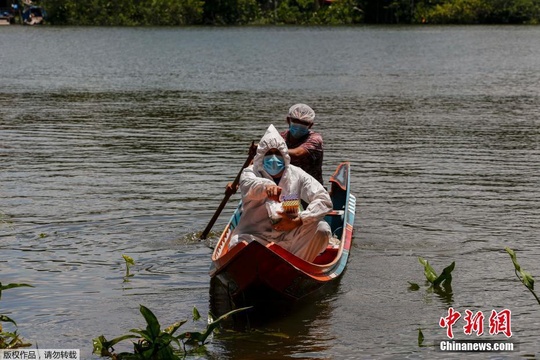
(276, 330)
(266, 306)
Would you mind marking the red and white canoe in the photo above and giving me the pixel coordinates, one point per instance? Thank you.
(253, 274)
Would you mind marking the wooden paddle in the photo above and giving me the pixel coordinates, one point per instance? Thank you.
(229, 190)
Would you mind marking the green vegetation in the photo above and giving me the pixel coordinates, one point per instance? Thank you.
(10, 340)
(152, 343)
(156, 344)
(297, 12)
(525, 278)
(129, 261)
(420, 338)
(445, 279)
(433, 278)
(439, 284)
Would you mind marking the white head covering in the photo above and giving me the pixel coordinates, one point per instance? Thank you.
(302, 112)
(271, 140)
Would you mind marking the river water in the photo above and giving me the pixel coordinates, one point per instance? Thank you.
(120, 141)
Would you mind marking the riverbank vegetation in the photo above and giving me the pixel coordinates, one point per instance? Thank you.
(289, 12)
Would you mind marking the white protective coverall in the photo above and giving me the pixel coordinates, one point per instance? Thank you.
(305, 241)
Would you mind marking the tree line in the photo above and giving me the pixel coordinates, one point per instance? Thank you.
(289, 12)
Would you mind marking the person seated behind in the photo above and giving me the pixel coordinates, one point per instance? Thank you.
(305, 146)
(307, 234)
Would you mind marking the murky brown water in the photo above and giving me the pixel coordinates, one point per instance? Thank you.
(120, 141)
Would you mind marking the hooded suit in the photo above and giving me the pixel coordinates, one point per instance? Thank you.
(305, 241)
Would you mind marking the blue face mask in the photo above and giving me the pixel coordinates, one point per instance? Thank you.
(298, 130)
(273, 164)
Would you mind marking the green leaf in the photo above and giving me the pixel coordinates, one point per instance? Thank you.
(413, 286)
(420, 338)
(196, 315)
(145, 334)
(172, 329)
(193, 337)
(527, 279)
(429, 272)
(445, 276)
(215, 323)
(524, 276)
(4, 318)
(147, 353)
(177, 342)
(128, 259)
(166, 353)
(11, 340)
(152, 322)
(10, 286)
(164, 339)
(102, 345)
(140, 347)
(513, 257)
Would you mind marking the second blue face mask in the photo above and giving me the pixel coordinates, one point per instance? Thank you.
(298, 130)
(273, 164)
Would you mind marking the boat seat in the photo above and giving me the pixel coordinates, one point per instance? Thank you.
(336, 213)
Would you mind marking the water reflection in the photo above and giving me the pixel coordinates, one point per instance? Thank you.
(305, 333)
(444, 293)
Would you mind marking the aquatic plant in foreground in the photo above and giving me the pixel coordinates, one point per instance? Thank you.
(440, 284)
(156, 344)
(420, 338)
(444, 279)
(10, 340)
(523, 276)
(436, 281)
(129, 261)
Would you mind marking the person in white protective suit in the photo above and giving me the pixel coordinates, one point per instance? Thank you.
(270, 176)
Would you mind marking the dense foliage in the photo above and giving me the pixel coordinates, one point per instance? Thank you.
(308, 12)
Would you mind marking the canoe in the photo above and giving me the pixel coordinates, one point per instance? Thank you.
(264, 276)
